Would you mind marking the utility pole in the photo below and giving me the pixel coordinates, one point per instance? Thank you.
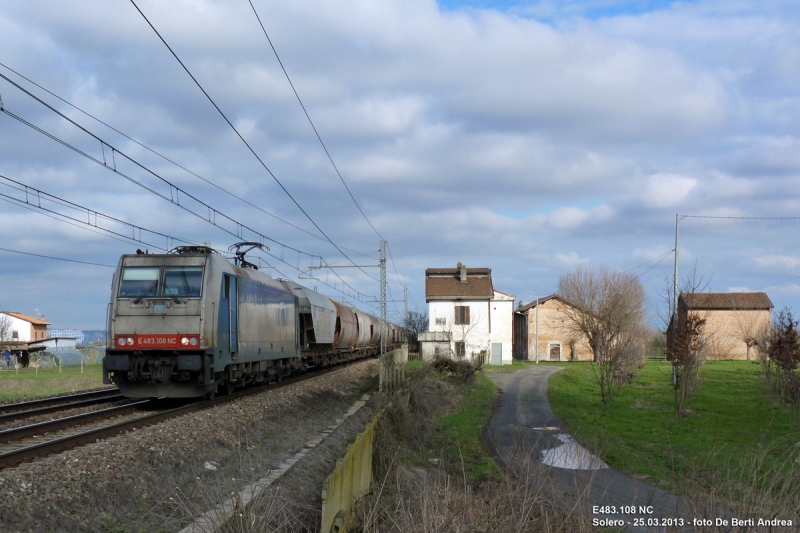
(383, 297)
(537, 329)
(675, 273)
(405, 301)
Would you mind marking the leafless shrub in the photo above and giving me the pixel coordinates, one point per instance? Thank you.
(460, 369)
(609, 312)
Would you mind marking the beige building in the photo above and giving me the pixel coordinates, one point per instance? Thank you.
(557, 341)
(734, 321)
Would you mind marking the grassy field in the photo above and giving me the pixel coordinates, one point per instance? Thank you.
(461, 431)
(28, 382)
(730, 415)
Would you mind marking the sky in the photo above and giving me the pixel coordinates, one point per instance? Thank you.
(527, 137)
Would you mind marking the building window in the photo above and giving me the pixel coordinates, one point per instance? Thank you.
(15, 335)
(441, 321)
(460, 349)
(462, 315)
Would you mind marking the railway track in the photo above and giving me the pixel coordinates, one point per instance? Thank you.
(33, 408)
(26, 443)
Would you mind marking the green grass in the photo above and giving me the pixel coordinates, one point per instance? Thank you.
(515, 365)
(415, 365)
(459, 434)
(29, 383)
(731, 412)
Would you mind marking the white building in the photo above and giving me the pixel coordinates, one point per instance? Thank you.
(479, 319)
(23, 328)
(56, 344)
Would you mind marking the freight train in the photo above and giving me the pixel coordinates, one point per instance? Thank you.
(191, 323)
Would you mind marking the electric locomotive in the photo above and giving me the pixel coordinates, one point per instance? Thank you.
(190, 323)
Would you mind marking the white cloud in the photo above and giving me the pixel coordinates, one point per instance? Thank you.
(569, 260)
(573, 217)
(668, 190)
(440, 122)
(785, 263)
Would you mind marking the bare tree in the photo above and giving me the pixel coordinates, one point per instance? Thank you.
(749, 325)
(784, 351)
(687, 339)
(608, 310)
(459, 330)
(5, 331)
(414, 323)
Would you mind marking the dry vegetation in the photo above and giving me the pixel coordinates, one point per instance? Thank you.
(447, 493)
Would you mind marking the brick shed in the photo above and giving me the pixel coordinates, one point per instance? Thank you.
(733, 321)
(557, 342)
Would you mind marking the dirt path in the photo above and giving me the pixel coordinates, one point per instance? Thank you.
(524, 429)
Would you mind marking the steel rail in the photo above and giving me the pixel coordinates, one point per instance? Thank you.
(40, 428)
(28, 453)
(55, 399)
(55, 408)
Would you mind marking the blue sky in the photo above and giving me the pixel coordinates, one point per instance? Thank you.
(529, 138)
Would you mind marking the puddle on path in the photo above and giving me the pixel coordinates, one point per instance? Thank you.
(571, 455)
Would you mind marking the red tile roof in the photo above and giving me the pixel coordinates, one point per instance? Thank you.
(26, 318)
(445, 284)
(727, 300)
(542, 300)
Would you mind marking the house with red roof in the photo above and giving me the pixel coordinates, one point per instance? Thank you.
(474, 317)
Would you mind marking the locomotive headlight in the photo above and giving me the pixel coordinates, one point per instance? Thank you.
(121, 341)
(193, 341)
(185, 341)
(130, 341)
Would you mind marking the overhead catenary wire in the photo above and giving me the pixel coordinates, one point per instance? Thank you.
(173, 162)
(212, 212)
(305, 111)
(250, 148)
(39, 195)
(26, 294)
(89, 229)
(319, 138)
(57, 258)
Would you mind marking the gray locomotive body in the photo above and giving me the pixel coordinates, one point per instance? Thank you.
(190, 324)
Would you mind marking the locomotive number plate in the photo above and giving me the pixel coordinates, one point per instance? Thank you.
(138, 342)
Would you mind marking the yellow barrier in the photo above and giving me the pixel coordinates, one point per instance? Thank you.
(349, 481)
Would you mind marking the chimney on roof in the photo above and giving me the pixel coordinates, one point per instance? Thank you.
(462, 272)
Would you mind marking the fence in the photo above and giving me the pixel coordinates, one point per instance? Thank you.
(392, 370)
(349, 481)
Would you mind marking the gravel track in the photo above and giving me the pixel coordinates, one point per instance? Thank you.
(64, 395)
(154, 478)
(67, 411)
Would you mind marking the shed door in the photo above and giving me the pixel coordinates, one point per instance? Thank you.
(555, 352)
(497, 353)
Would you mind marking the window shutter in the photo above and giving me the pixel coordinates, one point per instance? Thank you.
(466, 315)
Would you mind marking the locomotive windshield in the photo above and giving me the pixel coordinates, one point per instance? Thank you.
(183, 281)
(144, 282)
(139, 281)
